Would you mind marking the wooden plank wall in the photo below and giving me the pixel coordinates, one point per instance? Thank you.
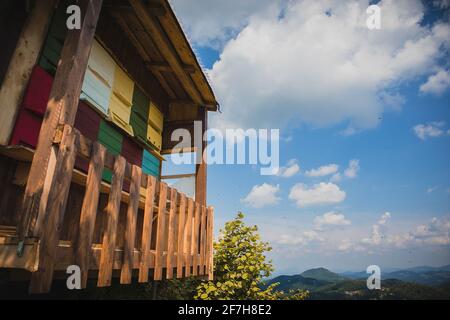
(172, 234)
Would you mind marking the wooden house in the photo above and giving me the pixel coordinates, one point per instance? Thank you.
(85, 121)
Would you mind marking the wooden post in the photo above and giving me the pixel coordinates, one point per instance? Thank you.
(181, 236)
(171, 233)
(130, 231)
(160, 234)
(61, 108)
(210, 256)
(22, 63)
(147, 229)
(112, 219)
(201, 168)
(89, 211)
(41, 280)
(188, 247)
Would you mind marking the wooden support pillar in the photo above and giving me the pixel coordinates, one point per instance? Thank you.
(22, 62)
(61, 108)
(201, 168)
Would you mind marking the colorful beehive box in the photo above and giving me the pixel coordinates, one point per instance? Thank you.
(121, 100)
(156, 118)
(38, 91)
(54, 42)
(112, 139)
(99, 78)
(34, 105)
(150, 164)
(26, 130)
(133, 153)
(87, 121)
(139, 114)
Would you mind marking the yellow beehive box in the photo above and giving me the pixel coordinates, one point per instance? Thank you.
(102, 63)
(155, 117)
(154, 137)
(121, 100)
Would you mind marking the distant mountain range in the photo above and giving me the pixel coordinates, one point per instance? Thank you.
(413, 283)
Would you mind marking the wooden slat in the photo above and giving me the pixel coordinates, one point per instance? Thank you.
(181, 261)
(202, 240)
(210, 245)
(188, 233)
(61, 108)
(112, 218)
(130, 231)
(171, 236)
(147, 229)
(160, 231)
(42, 279)
(195, 237)
(201, 168)
(89, 211)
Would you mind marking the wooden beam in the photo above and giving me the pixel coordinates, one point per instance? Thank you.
(22, 62)
(171, 232)
(130, 228)
(61, 108)
(147, 229)
(160, 231)
(181, 235)
(162, 66)
(165, 46)
(89, 211)
(201, 168)
(202, 240)
(153, 8)
(41, 280)
(112, 219)
(210, 244)
(188, 233)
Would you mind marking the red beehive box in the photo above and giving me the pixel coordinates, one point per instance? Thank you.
(87, 121)
(26, 130)
(132, 152)
(38, 91)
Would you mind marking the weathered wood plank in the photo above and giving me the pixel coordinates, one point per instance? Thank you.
(42, 279)
(181, 261)
(130, 231)
(166, 48)
(202, 240)
(147, 229)
(157, 274)
(188, 234)
(61, 108)
(112, 218)
(201, 167)
(195, 240)
(89, 211)
(210, 245)
(171, 230)
(22, 62)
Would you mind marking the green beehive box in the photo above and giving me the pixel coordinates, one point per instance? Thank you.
(112, 139)
(150, 164)
(139, 114)
(54, 42)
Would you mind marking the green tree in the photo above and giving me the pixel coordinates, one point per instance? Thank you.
(240, 265)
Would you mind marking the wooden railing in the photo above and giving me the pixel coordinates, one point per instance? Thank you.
(184, 229)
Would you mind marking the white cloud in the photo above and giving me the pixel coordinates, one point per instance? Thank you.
(262, 195)
(319, 194)
(291, 169)
(323, 171)
(352, 170)
(304, 238)
(437, 83)
(337, 177)
(430, 130)
(431, 189)
(378, 231)
(275, 72)
(213, 22)
(331, 219)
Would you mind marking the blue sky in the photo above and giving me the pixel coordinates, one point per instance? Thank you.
(364, 119)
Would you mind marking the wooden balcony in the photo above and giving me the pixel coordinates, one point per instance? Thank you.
(135, 226)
